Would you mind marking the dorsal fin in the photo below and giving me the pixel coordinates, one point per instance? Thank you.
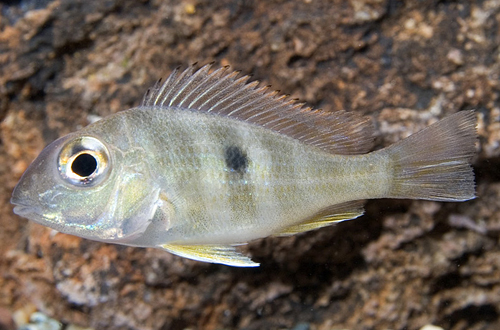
(223, 93)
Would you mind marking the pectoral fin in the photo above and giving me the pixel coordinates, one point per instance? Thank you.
(328, 216)
(219, 254)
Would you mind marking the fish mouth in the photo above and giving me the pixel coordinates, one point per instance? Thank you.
(25, 206)
(22, 205)
(20, 208)
(30, 212)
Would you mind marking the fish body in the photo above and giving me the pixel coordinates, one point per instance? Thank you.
(209, 161)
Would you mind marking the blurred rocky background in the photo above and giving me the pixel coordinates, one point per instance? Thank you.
(403, 265)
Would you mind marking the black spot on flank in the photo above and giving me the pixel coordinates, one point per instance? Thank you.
(236, 159)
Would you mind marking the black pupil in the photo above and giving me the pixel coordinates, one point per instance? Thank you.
(84, 165)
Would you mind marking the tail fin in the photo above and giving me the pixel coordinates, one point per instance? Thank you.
(434, 164)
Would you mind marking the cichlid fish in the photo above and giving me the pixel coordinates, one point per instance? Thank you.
(209, 161)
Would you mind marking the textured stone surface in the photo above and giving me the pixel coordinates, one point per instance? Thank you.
(405, 264)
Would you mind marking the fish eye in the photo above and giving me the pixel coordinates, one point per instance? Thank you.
(84, 165)
(84, 161)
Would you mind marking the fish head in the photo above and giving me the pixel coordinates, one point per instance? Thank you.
(85, 186)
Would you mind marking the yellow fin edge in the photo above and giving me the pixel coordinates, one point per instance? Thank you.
(219, 254)
(328, 216)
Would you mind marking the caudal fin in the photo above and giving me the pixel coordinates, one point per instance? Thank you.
(434, 164)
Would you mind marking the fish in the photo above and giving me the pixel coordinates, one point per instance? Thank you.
(210, 161)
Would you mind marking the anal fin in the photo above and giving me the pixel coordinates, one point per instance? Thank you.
(326, 217)
(219, 254)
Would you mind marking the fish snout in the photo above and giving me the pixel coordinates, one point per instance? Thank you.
(22, 197)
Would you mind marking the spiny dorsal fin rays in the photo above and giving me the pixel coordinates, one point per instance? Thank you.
(243, 95)
(165, 87)
(223, 93)
(151, 93)
(178, 85)
(207, 85)
(198, 78)
(154, 94)
(217, 92)
(228, 93)
(202, 86)
(250, 102)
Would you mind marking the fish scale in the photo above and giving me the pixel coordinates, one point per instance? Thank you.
(210, 161)
(257, 196)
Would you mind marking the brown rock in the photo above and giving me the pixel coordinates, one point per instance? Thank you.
(404, 265)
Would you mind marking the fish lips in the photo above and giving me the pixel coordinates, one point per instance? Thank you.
(28, 210)
(23, 205)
